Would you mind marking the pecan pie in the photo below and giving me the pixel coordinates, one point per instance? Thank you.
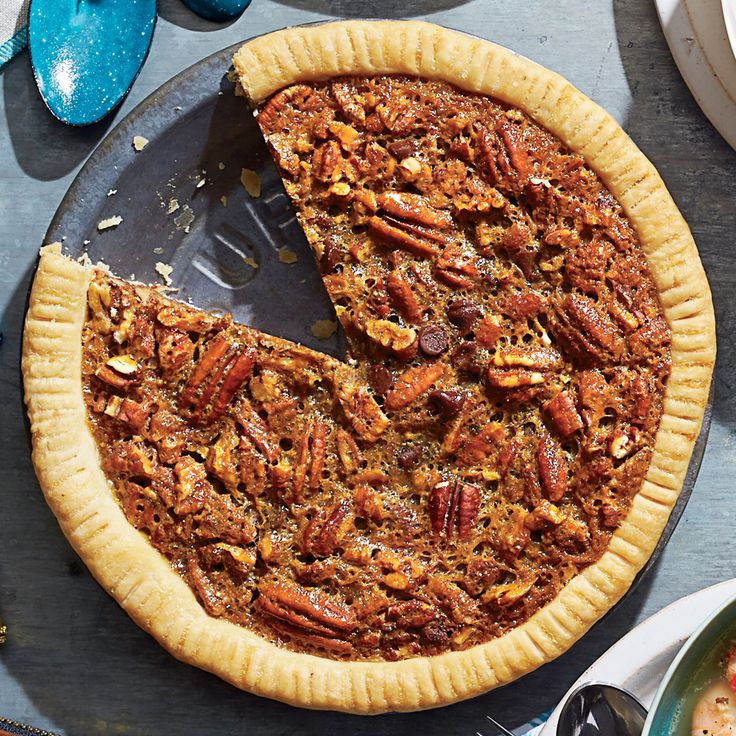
(530, 348)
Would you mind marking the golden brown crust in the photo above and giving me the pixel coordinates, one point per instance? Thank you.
(158, 599)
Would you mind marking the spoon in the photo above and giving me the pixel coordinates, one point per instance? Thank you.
(601, 709)
(86, 54)
(217, 10)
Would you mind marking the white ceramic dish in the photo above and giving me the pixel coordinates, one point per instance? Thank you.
(640, 659)
(697, 37)
(728, 8)
(692, 668)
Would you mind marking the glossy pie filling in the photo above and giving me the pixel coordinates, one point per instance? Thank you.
(495, 417)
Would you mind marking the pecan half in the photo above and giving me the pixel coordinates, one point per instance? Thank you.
(362, 411)
(323, 642)
(587, 331)
(522, 248)
(348, 451)
(207, 591)
(209, 394)
(349, 101)
(518, 155)
(440, 502)
(468, 507)
(544, 513)
(326, 531)
(310, 458)
(190, 321)
(193, 488)
(564, 414)
(369, 503)
(308, 609)
(216, 349)
(411, 384)
(240, 369)
(348, 136)
(257, 431)
(496, 163)
(454, 433)
(130, 457)
(623, 442)
(222, 461)
(112, 377)
(536, 358)
(552, 467)
(389, 231)
(414, 207)
(456, 267)
(175, 349)
(402, 297)
(513, 378)
(270, 112)
(520, 305)
(390, 335)
(327, 161)
(453, 502)
(482, 444)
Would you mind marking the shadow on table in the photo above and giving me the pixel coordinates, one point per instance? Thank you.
(696, 164)
(45, 148)
(175, 12)
(391, 9)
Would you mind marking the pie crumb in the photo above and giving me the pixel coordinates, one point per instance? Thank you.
(221, 166)
(164, 270)
(251, 181)
(324, 329)
(287, 255)
(110, 192)
(185, 219)
(251, 262)
(109, 222)
(139, 142)
(173, 206)
(223, 199)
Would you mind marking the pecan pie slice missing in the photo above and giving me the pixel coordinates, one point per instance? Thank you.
(531, 342)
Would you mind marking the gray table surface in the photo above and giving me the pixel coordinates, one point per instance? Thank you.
(74, 662)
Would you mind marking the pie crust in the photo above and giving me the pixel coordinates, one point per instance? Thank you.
(158, 599)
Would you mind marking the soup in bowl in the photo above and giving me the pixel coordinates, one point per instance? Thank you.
(697, 696)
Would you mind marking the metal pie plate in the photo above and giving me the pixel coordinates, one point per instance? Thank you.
(199, 130)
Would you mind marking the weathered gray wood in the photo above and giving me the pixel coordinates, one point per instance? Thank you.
(74, 663)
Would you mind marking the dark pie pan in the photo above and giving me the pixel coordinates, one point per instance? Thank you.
(200, 131)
